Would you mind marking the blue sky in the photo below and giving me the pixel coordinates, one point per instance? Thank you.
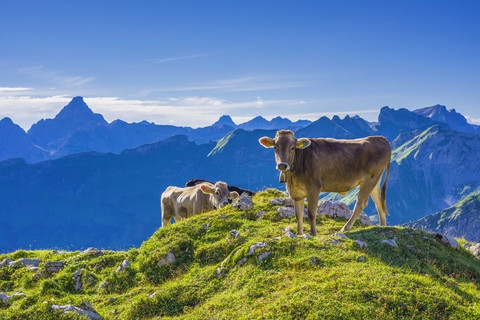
(189, 62)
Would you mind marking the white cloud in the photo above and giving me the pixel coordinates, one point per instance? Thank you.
(194, 56)
(55, 77)
(473, 120)
(10, 90)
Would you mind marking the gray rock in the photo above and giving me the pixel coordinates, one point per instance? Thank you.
(306, 236)
(223, 217)
(112, 300)
(57, 264)
(6, 298)
(103, 284)
(467, 245)
(290, 234)
(242, 262)
(153, 295)
(28, 262)
(125, 264)
(282, 202)
(289, 212)
(361, 244)
(77, 277)
(93, 251)
(448, 240)
(235, 234)
(264, 255)
(254, 247)
(259, 214)
(32, 268)
(361, 259)
(410, 246)
(168, 259)
(337, 209)
(243, 203)
(83, 312)
(313, 261)
(475, 250)
(341, 235)
(335, 242)
(390, 242)
(5, 262)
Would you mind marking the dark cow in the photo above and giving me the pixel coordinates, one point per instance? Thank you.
(311, 166)
(239, 190)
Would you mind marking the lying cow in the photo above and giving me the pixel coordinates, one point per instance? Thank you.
(311, 166)
(182, 203)
(240, 191)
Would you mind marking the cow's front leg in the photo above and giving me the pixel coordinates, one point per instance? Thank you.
(299, 205)
(312, 211)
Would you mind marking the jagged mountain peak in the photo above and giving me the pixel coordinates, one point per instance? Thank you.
(225, 120)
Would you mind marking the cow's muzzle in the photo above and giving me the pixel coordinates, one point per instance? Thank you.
(283, 166)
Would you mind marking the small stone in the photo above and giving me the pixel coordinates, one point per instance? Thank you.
(278, 202)
(410, 246)
(341, 235)
(223, 217)
(286, 212)
(32, 268)
(93, 251)
(103, 284)
(290, 234)
(361, 259)
(168, 259)
(112, 300)
(5, 262)
(153, 295)
(254, 247)
(390, 242)
(125, 264)
(264, 255)
(28, 262)
(235, 234)
(242, 262)
(259, 214)
(77, 277)
(4, 297)
(361, 244)
(448, 240)
(313, 260)
(306, 236)
(475, 250)
(243, 203)
(335, 242)
(57, 264)
(83, 312)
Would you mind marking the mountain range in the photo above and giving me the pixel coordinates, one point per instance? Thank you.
(110, 199)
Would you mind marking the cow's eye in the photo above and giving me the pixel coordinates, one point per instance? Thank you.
(217, 193)
(292, 148)
(275, 147)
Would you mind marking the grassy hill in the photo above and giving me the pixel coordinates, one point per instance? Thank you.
(214, 276)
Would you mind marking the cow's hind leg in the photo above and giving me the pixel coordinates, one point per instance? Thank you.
(312, 211)
(362, 202)
(299, 206)
(377, 198)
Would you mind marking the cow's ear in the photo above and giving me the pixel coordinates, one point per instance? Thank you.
(267, 142)
(206, 189)
(234, 194)
(302, 143)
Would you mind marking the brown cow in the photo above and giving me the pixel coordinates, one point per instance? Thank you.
(182, 203)
(311, 166)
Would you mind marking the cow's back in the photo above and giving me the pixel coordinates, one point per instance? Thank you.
(338, 165)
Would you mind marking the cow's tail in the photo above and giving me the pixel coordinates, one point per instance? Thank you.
(384, 190)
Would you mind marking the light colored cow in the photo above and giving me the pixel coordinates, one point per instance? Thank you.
(182, 203)
(311, 166)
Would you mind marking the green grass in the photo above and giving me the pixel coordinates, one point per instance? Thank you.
(300, 279)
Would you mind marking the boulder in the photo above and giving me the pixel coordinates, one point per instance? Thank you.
(475, 250)
(337, 209)
(264, 255)
(77, 277)
(5, 262)
(361, 244)
(235, 234)
(254, 247)
(93, 251)
(83, 312)
(125, 264)
(390, 242)
(243, 203)
(27, 262)
(448, 240)
(168, 259)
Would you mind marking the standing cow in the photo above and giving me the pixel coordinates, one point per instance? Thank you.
(311, 166)
(182, 203)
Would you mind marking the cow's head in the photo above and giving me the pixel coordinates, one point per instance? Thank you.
(285, 144)
(219, 194)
